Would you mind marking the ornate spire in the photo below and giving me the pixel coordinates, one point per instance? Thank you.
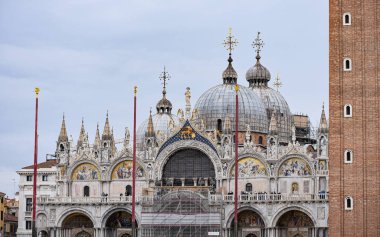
(164, 77)
(323, 127)
(150, 129)
(273, 129)
(82, 135)
(229, 74)
(97, 137)
(106, 131)
(277, 82)
(63, 133)
(258, 44)
(164, 105)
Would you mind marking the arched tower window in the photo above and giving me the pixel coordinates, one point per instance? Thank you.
(61, 147)
(219, 125)
(348, 156)
(347, 19)
(260, 140)
(86, 191)
(348, 203)
(348, 110)
(248, 187)
(347, 64)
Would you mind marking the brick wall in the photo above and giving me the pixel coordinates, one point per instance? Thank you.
(360, 88)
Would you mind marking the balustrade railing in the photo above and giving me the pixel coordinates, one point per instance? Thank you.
(263, 197)
(84, 200)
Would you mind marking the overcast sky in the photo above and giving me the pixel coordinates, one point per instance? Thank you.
(86, 56)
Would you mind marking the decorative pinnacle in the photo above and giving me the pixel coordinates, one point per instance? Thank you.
(164, 77)
(277, 83)
(258, 44)
(37, 91)
(230, 42)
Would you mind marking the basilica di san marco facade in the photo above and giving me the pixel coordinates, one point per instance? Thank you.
(185, 169)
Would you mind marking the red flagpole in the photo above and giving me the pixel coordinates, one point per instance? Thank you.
(134, 165)
(34, 231)
(236, 161)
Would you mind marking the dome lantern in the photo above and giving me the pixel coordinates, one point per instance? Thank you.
(164, 105)
(229, 74)
(258, 75)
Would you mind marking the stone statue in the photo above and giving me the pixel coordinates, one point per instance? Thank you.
(187, 96)
(127, 137)
(293, 133)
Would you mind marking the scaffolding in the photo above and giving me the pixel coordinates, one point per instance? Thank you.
(180, 213)
(305, 133)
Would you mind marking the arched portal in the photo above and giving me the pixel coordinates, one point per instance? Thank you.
(188, 165)
(77, 225)
(119, 224)
(250, 224)
(42, 233)
(295, 223)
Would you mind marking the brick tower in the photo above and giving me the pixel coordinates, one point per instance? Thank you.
(354, 118)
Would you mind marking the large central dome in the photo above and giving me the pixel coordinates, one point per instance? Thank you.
(219, 102)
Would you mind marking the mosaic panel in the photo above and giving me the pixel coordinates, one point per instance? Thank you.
(85, 172)
(123, 170)
(250, 167)
(295, 167)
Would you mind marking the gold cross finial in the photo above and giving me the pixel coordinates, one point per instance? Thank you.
(164, 77)
(258, 43)
(277, 83)
(230, 42)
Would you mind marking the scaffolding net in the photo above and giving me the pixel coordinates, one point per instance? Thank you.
(180, 214)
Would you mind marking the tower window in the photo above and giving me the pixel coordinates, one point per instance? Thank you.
(260, 140)
(61, 147)
(347, 64)
(348, 203)
(86, 191)
(219, 125)
(348, 156)
(348, 110)
(347, 19)
(248, 187)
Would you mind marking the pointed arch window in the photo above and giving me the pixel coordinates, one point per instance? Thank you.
(348, 156)
(348, 203)
(347, 19)
(347, 111)
(347, 64)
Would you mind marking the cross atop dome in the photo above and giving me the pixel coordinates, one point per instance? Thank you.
(164, 77)
(258, 44)
(230, 42)
(230, 75)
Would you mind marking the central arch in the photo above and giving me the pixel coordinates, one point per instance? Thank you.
(188, 164)
(295, 223)
(78, 225)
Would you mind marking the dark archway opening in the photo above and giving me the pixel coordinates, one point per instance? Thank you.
(188, 166)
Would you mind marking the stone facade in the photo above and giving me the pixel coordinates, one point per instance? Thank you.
(185, 171)
(354, 32)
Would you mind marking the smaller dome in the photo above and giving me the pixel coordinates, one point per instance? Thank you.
(160, 123)
(258, 74)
